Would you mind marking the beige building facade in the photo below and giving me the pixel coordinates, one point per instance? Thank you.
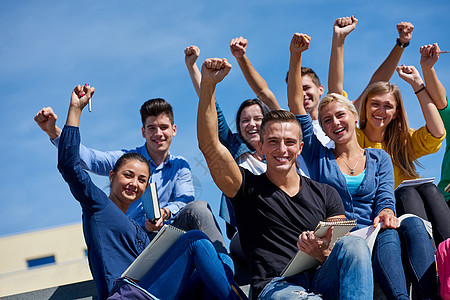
(42, 259)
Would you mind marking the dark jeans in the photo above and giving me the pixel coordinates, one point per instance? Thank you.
(192, 253)
(427, 202)
(403, 253)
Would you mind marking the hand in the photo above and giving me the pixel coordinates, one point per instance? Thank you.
(155, 226)
(299, 43)
(314, 246)
(343, 26)
(215, 69)
(410, 75)
(429, 55)
(46, 119)
(238, 47)
(191, 55)
(387, 216)
(81, 95)
(405, 30)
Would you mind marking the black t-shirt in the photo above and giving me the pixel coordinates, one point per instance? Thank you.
(269, 221)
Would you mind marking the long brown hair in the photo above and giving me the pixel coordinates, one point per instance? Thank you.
(396, 137)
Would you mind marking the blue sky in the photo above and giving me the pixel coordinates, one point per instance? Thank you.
(132, 51)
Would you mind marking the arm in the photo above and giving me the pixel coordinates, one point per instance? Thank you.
(384, 196)
(238, 47)
(387, 68)
(341, 28)
(223, 168)
(46, 119)
(190, 58)
(429, 56)
(432, 118)
(93, 160)
(299, 43)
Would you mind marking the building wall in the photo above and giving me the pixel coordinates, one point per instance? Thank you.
(66, 244)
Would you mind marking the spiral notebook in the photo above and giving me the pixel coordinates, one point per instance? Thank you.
(302, 261)
(165, 238)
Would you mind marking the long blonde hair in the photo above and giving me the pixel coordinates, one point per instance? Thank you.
(397, 139)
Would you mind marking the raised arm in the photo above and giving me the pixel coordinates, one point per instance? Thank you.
(223, 168)
(46, 119)
(238, 47)
(299, 43)
(433, 121)
(79, 99)
(341, 28)
(387, 68)
(429, 56)
(191, 54)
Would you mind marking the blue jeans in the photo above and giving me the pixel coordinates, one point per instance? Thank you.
(403, 253)
(173, 273)
(346, 274)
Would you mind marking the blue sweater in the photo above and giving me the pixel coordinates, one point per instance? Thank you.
(376, 191)
(113, 240)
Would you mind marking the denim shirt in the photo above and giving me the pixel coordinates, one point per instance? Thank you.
(173, 178)
(376, 191)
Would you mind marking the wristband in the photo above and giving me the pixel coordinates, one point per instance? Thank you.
(419, 90)
(402, 45)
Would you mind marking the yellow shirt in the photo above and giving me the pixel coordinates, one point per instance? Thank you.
(423, 143)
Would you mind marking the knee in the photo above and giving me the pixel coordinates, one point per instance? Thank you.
(406, 193)
(412, 225)
(354, 247)
(198, 208)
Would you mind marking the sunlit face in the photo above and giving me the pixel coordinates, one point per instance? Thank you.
(338, 122)
(250, 123)
(158, 132)
(311, 94)
(281, 145)
(381, 109)
(130, 181)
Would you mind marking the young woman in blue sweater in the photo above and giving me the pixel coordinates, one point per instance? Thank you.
(114, 240)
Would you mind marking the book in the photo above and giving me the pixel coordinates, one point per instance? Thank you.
(302, 261)
(415, 182)
(369, 233)
(151, 203)
(165, 238)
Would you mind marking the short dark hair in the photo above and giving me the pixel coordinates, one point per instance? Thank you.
(280, 116)
(310, 72)
(154, 108)
(130, 156)
(249, 102)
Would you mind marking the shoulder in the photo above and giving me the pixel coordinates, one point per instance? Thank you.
(318, 187)
(178, 161)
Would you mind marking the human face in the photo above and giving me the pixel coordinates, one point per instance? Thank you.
(338, 122)
(311, 95)
(158, 133)
(250, 123)
(129, 182)
(380, 110)
(281, 145)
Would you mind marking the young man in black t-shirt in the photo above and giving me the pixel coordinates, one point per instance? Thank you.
(276, 210)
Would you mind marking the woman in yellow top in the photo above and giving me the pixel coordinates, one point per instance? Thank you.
(383, 124)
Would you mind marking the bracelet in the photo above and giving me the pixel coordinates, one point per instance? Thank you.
(402, 45)
(388, 211)
(419, 90)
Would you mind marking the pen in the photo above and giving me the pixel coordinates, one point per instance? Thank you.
(89, 103)
(440, 52)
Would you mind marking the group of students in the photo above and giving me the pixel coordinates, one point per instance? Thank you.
(280, 175)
